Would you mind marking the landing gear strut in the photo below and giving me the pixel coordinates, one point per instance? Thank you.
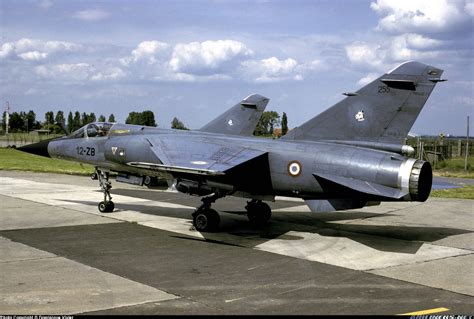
(107, 205)
(258, 212)
(206, 219)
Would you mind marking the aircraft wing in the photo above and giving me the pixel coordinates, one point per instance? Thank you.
(199, 158)
(241, 119)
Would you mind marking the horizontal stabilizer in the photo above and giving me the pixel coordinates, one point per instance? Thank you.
(329, 205)
(365, 187)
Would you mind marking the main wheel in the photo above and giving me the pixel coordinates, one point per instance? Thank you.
(110, 206)
(206, 220)
(258, 213)
(103, 207)
(106, 207)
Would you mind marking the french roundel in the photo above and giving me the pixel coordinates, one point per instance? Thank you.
(294, 168)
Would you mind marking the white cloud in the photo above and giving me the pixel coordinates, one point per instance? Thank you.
(371, 55)
(368, 78)
(431, 16)
(271, 70)
(208, 57)
(91, 15)
(395, 49)
(33, 56)
(276, 70)
(469, 7)
(147, 51)
(417, 41)
(405, 47)
(6, 49)
(78, 72)
(34, 50)
(112, 73)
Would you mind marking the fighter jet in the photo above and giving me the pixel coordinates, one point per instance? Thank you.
(351, 155)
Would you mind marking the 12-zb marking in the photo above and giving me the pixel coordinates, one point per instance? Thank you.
(85, 151)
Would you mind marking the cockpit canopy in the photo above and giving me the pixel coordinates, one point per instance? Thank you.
(96, 129)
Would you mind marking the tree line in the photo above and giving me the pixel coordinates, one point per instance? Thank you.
(56, 123)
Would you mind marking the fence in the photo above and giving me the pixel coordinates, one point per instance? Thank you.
(435, 150)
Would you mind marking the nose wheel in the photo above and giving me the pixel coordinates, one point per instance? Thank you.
(107, 205)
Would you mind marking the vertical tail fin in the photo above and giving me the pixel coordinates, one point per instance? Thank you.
(382, 111)
(241, 119)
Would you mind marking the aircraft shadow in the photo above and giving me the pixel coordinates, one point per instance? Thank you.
(387, 238)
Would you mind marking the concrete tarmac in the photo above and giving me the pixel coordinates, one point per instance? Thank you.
(59, 255)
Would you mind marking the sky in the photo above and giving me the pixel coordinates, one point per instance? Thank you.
(195, 59)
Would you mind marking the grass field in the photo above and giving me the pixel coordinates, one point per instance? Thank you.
(466, 192)
(455, 168)
(11, 159)
(14, 138)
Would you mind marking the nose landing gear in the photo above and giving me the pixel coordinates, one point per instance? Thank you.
(107, 205)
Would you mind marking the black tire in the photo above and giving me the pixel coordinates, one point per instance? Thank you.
(147, 180)
(103, 207)
(206, 220)
(106, 207)
(110, 207)
(258, 213)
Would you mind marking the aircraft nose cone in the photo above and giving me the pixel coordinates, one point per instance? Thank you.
(40, 148)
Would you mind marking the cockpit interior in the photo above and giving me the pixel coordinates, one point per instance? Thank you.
(91, 130)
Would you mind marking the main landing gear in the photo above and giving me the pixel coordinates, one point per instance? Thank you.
(258, 212)
(107, 205)
(206, 219)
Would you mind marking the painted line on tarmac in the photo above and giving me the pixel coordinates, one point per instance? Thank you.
(424, 312)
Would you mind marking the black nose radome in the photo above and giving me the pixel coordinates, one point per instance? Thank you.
(40, 148)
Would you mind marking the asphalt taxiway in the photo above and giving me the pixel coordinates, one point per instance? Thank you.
(60, 255)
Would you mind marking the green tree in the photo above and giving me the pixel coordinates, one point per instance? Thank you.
(146, 118)
(133, 118)
(49, 118)
(177, 124)
(70, 122)
(101, 118)
(17, 122)
(59, 122)
(112, 118)
(76, 121)
(284, 124)
(59, 118)
(31, 123)
(268, 121)
(84, 118)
